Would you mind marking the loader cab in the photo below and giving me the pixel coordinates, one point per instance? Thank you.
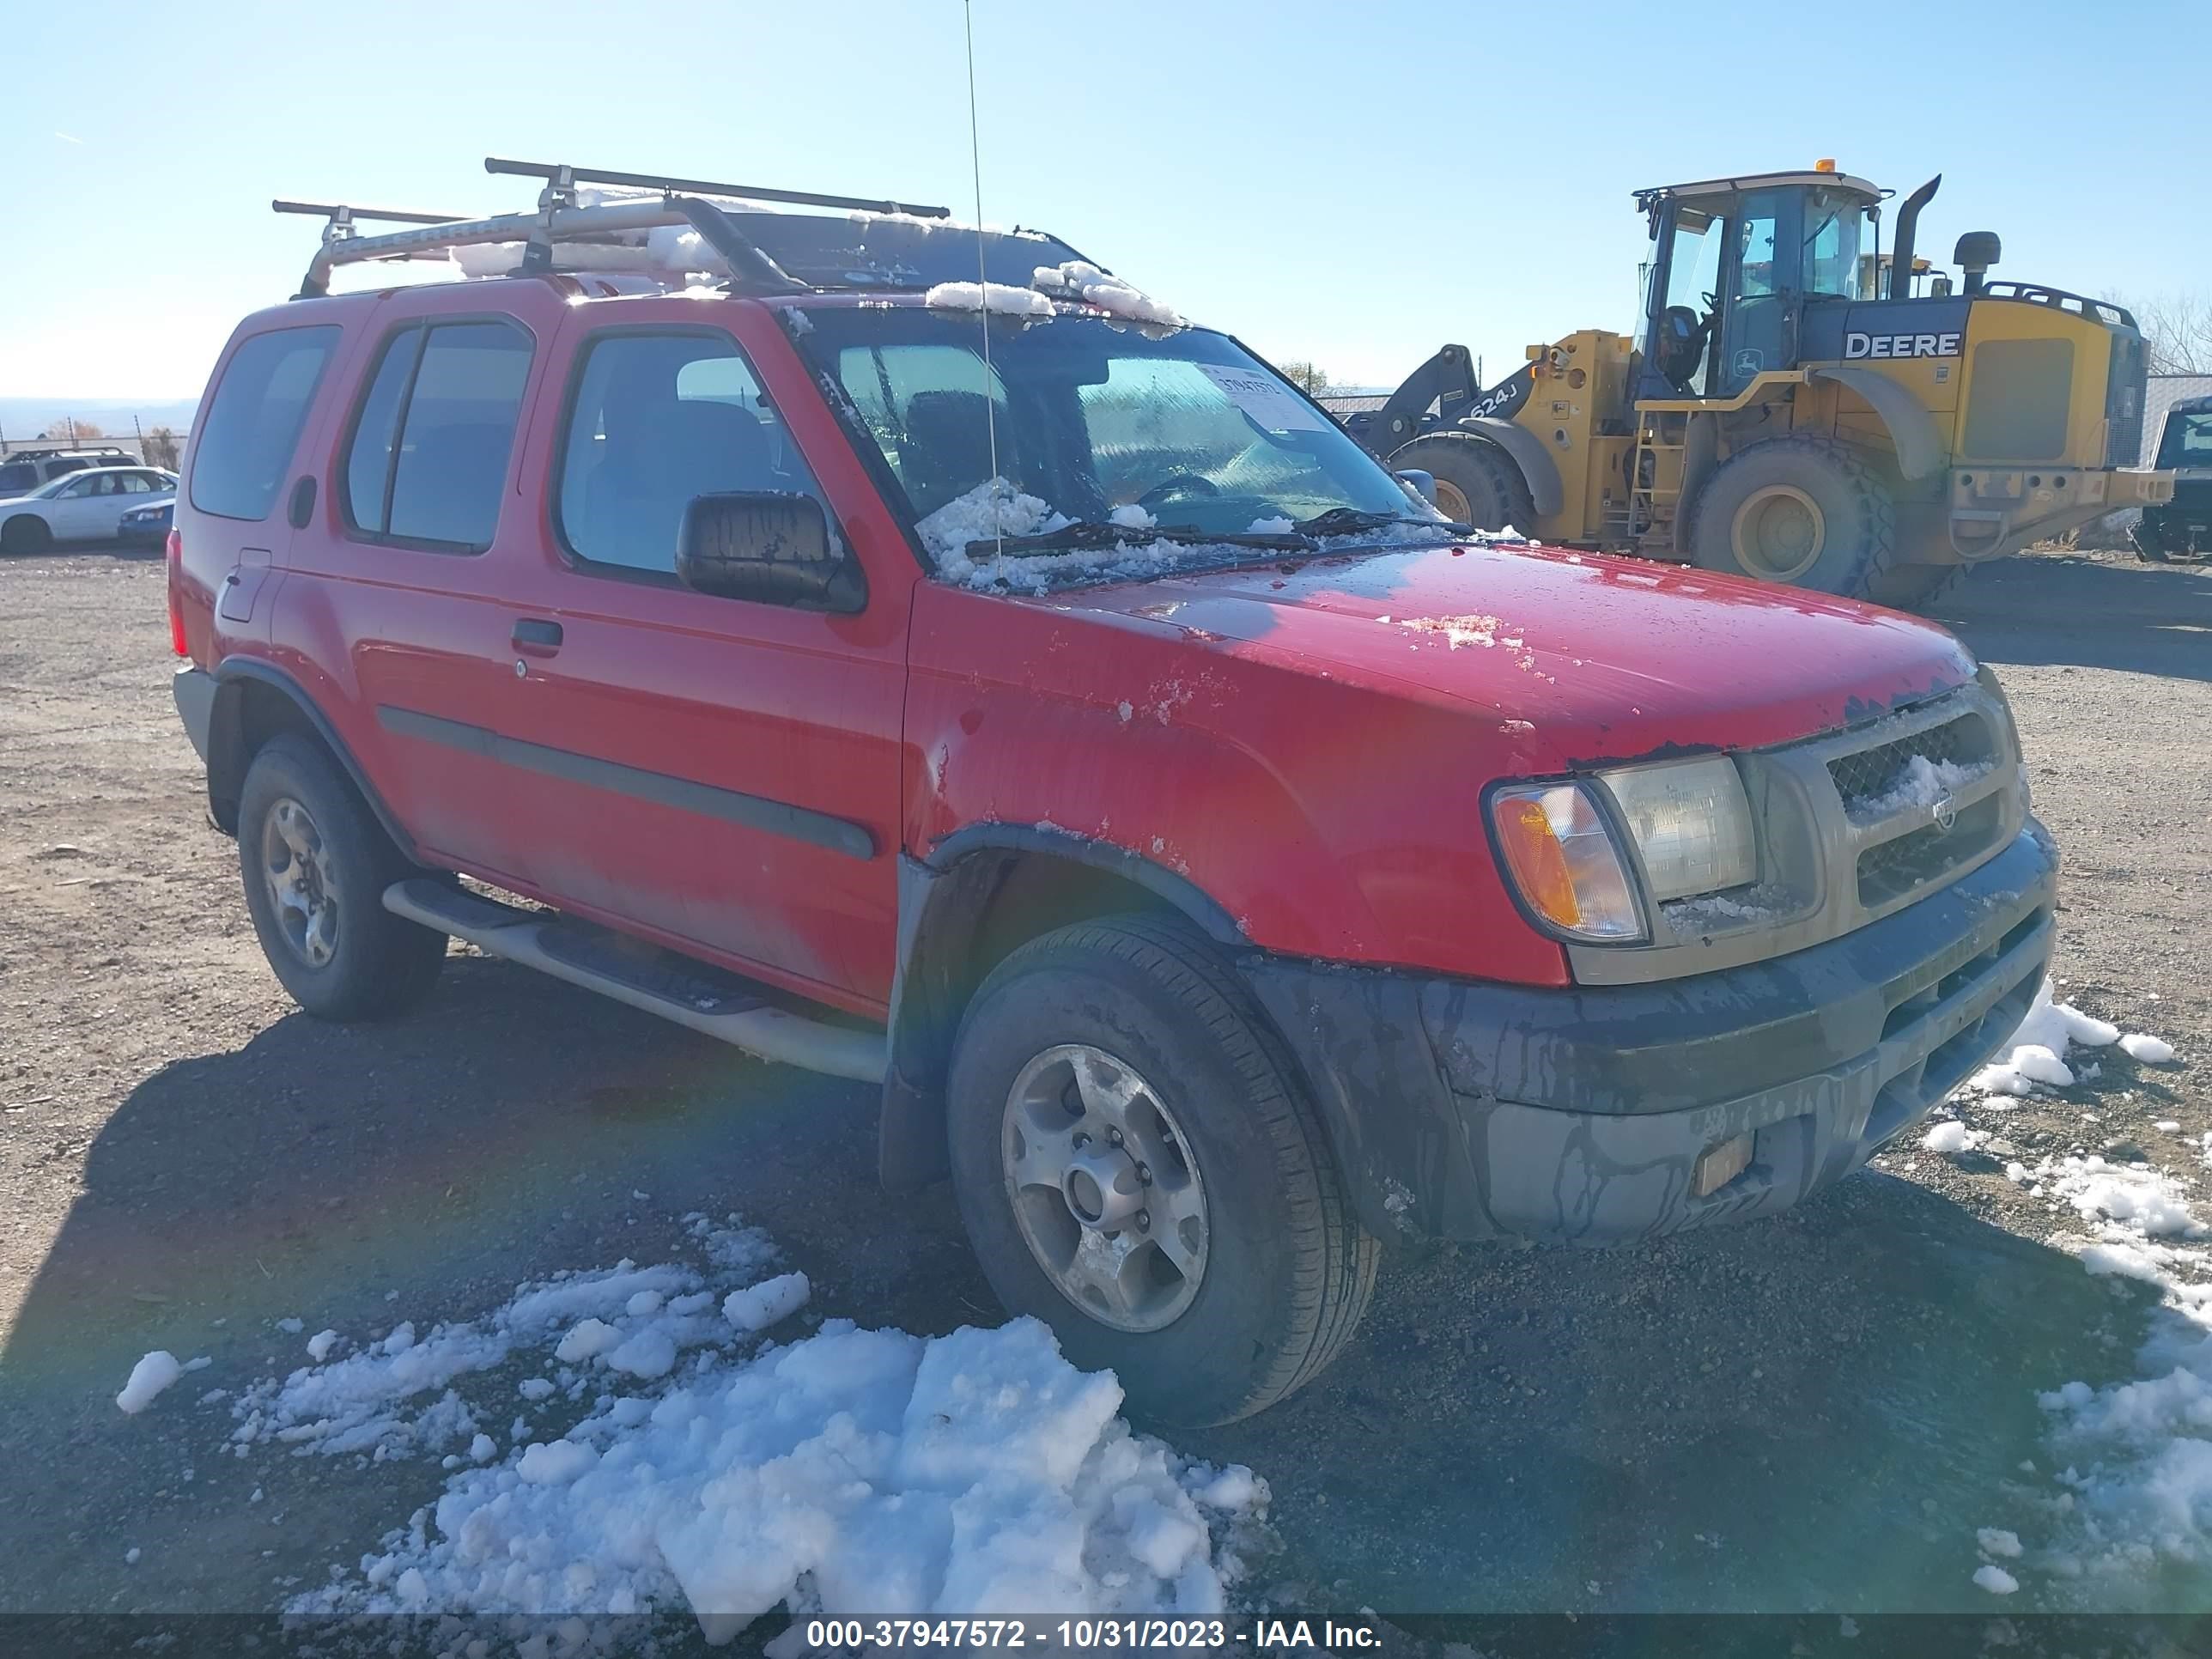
(1734, 263)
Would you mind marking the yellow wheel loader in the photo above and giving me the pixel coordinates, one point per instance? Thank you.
(1785, 413)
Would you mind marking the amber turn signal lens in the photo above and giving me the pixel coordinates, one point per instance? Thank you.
(1540, 868)
(1563, 861)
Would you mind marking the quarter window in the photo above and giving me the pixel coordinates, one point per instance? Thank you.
(657, 419)
(427, 460)
(253, 422)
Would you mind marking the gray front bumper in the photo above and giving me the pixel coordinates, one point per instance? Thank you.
(1466, 1110)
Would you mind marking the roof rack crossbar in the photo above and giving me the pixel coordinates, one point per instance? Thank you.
(753, 271)
(558, 176)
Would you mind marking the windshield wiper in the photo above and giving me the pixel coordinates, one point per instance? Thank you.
(1085, 534)
(1350, 520)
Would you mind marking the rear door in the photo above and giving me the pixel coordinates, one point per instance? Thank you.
(402, 584)
(722, 774)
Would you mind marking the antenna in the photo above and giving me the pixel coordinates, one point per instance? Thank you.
(983, 285)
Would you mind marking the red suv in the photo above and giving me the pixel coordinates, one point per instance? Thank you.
(1019, 699)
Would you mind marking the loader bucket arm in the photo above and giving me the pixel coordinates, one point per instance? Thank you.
(1448, 377)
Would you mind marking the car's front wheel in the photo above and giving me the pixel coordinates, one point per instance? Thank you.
(1138, 1167)
(315, 864)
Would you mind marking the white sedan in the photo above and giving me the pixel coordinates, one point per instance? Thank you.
(80, 507)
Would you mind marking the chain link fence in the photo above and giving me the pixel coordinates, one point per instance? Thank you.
(155, 446)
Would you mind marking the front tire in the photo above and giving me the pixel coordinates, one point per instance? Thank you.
(315, 864)
(1138, 1167)
(1802, 511)
(1477, 482)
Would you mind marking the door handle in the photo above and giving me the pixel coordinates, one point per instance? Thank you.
(536, 637)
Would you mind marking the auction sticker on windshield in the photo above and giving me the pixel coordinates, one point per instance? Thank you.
(1265, 400)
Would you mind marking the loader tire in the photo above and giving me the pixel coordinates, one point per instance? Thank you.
(1916, 587)
(1477, 483)
(1803, 511)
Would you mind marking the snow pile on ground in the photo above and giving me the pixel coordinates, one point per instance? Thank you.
(392, 1397)
(1003, 298)
(853, 1472)
(2134, 1486)
(1919, 782)
(2036, 1053)
(155, 1372)
(1080, 280)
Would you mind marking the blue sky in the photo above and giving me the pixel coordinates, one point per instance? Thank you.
(1351, 183)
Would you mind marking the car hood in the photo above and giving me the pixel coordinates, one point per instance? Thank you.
(1582, 658)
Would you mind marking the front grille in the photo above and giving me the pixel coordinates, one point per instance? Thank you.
(1890, 869)
(1872, 773)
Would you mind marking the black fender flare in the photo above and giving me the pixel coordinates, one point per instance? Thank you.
(941, 898)
(228, 759)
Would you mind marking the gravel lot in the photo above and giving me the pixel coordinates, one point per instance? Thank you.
(1814, 1413)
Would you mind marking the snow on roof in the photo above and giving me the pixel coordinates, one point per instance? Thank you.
(1078, 279)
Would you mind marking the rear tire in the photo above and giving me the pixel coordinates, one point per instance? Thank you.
(315, 863)
(1250, 1303)
(1804, 511)
(1477, 483)
(26, 532)
(1908, 586)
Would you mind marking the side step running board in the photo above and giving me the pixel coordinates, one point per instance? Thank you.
(542, 940)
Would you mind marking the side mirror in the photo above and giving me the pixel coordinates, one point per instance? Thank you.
(1422, 483)
(768, 546)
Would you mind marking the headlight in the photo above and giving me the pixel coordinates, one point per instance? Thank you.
(1690, 824)
(1563, 860)
(1689, 820)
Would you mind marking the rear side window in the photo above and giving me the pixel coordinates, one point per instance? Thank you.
(655, 419)
(426, 463)
(253, 423)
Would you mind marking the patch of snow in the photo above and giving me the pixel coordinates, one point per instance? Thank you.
(1486, 631)
(292, 1327)
(1919, 782)
(852, 1472)
(762, 1305)
(152, 1374)
(1080, 280)
(2154, 1051)
(130, 1556)
(1132, 517)
(1995, 1579)
(1995, 1540)
(1708, 911)
(320, 1344)
(2036, 1053)
(1277, 526)
(1001, 298)
(394, 1398)
(1952, 1136)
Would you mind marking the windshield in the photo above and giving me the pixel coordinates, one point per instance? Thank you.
(2188, 441)
(1095, 421)
(1835, 224)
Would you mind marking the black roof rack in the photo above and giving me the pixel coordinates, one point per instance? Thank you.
(559, 177)
(887, 245)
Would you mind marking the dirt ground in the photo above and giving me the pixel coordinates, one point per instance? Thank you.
(1810, 1413)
